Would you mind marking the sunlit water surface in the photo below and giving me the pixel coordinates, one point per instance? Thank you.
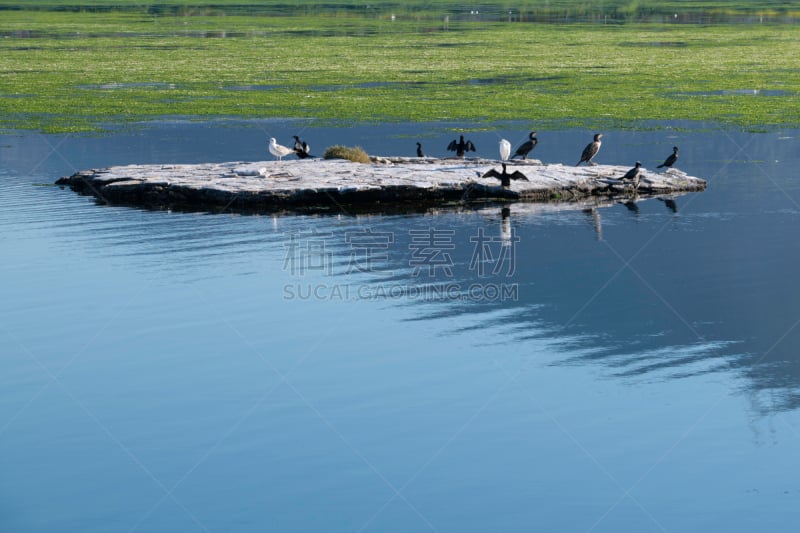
(631, 368)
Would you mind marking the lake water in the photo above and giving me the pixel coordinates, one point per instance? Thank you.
(630, 368)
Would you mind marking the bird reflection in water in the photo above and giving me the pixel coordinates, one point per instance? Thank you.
(670, 204)
(597, 222)
(632, 206)
(505, 226)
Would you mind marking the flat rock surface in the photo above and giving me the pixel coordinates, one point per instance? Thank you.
(318, 183)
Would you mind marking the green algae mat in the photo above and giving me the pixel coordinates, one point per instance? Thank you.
(67, 66)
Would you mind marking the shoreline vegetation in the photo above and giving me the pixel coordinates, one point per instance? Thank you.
(69, 65)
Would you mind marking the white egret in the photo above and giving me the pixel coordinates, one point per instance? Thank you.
(505, 149)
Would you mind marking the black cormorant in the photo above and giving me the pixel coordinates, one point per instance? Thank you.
(420, 153)
(668, 162)
(461, 147)
(526, 147)
(301, 148)
(633, 175)
(504, 177)
(591, 150)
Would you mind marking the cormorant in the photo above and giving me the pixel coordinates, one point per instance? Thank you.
(420, 153)
(505, 149)
(633, 175)
(278, 150)
(591, 150)
(301, 148)
(461, 147)
(525, 148)
(504, 177)
(668, 162)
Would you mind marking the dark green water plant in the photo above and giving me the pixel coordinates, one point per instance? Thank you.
(72, 70)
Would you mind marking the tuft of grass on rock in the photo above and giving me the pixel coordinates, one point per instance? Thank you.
(355, 154)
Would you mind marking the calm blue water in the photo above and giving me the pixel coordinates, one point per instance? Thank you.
(626, 369)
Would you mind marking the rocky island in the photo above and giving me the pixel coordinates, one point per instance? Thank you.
(385, 183)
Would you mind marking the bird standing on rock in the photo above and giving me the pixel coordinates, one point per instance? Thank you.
(301, 148)
(505, 149)
(420, 153)
(634, 175)
(504, 177)
(526, 147)
(668, 162)
(278, 150)
(461, 147)
(591, 150)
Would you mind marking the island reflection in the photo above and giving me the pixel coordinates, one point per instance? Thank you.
(590, 282)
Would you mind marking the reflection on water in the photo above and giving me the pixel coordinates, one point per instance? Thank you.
(498, 355)
(651, 291)
(629, 306)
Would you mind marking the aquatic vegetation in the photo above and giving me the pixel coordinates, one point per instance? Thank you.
(524, 10)
(355, 154)
(63, 70)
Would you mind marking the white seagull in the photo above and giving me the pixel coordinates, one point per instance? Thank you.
(505, 149)
(278, 150)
